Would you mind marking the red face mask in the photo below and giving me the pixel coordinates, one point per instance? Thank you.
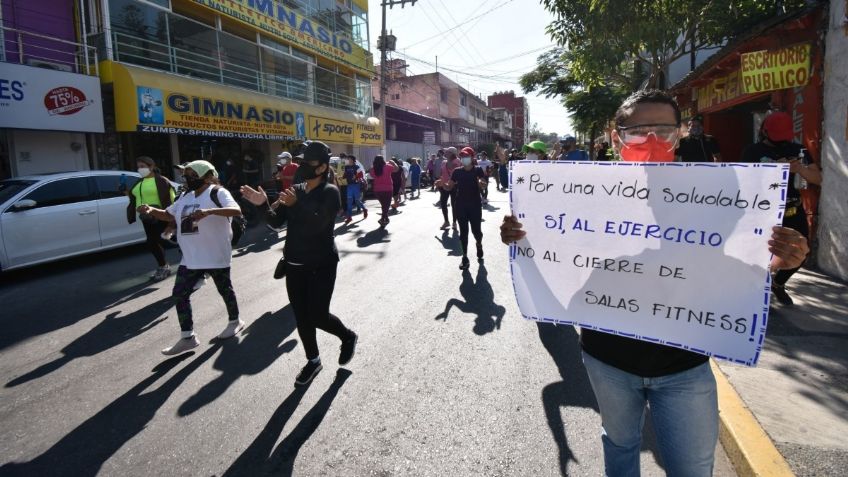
(652, 150)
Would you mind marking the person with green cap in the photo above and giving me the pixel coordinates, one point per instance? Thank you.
(203, 216)
(536, 150)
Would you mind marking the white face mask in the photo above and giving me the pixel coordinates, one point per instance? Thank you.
(466, 161)
(144, 171)
(284, 161)
(532, 157)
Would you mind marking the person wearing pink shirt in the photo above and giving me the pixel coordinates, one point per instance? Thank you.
(450, 164)
(381, 172)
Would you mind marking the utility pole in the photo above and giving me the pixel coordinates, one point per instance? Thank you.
(385, 44)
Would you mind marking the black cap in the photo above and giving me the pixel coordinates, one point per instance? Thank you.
(315, 151)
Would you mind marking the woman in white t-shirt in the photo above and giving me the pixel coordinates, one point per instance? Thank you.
(204, 234)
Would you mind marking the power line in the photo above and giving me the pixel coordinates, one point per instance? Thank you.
(460, 24)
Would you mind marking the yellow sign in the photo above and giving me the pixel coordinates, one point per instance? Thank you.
(779, 69)
(273, 18)
(151, 102)
(719, 91)
(330, 130)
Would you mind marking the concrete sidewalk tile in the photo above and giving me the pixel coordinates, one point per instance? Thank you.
(745, 442)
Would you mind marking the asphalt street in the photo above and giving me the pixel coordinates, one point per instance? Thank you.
(448, 378)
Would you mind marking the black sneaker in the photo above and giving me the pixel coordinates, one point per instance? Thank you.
(308, 373)
(781, 295)
(479, 251)
(347, 349)
(465, 264)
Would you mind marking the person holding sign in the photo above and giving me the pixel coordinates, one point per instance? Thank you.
(465, 185)
(627, 374)
(777, 145)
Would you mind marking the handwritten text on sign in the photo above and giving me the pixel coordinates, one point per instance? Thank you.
(671, 253)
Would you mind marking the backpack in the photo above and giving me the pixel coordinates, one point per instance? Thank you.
(238, 224)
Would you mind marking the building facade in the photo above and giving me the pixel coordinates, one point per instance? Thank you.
(50, 98)
(230, 82)
(465, 115)
(520, 111)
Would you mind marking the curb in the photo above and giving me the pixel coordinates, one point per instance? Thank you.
(747, 445)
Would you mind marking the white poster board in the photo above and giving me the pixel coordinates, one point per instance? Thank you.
(39, 98)
(669, 253)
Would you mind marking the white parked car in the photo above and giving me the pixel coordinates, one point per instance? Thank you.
(54, 216)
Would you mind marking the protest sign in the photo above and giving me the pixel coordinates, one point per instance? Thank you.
(671, 253)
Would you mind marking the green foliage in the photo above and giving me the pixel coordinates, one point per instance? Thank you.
(601, 35)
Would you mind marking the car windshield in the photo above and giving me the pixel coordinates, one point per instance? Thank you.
(9, 188)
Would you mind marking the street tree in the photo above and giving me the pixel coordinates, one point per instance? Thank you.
(602, 35)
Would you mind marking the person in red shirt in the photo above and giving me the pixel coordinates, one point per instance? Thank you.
(287, 169)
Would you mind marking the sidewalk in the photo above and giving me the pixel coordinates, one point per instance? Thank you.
(798, 393)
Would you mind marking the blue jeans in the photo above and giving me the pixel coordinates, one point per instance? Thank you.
(684, 410)
(353, 196)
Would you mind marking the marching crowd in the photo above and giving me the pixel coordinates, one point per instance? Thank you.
(625, 374)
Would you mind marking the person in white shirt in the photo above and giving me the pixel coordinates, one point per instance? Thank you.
(204, 234)
(485, 164)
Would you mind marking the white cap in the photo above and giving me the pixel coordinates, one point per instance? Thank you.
(450, 151)
(284, 155)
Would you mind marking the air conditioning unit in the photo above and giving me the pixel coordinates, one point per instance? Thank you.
(49, 65)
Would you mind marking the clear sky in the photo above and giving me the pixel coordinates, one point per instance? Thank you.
(489, 44)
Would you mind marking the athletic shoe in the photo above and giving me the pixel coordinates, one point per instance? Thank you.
(308, 373)
(347, 349)
(232, 329)
(348, 220)
(445, 226)
(779, 292)
(183, 345)
(479, 251)
(465, 264)
(162, 273)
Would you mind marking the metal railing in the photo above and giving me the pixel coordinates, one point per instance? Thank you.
(212, 66)
(36, 49)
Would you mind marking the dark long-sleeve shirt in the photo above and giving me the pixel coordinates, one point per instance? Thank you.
(310, 238)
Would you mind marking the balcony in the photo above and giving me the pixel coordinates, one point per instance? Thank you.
(218, 57)
(44, 51)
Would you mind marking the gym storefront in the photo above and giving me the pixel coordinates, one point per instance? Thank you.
(175, 119)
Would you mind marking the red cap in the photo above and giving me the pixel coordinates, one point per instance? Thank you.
(778, 126)
(467, 152)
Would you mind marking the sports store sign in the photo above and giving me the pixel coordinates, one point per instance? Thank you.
(38, 98)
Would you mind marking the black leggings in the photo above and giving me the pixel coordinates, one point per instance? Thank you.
(797, 222)
(443, 201)
(310, 291)
(469, 215)
(153, 230)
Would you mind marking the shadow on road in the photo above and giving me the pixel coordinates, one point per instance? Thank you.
(83, 451)
(261, 458)
(373, 237)
(111, 331)
(261, 345)
(450, 242)
(480, 300)
(574, 391)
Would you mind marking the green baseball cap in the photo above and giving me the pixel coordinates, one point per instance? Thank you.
(538, 146)
(202, 168)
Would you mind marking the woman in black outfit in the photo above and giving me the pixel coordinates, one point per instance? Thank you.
(311, 257)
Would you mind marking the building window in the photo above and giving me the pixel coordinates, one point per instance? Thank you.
(444, 94)
(463, 99)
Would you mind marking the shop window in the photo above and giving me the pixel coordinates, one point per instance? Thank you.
(61, 192)
(140, 33)
(285, 76)
(238, 60)
(195, 48)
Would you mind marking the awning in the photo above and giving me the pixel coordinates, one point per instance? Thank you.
(154, 102)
